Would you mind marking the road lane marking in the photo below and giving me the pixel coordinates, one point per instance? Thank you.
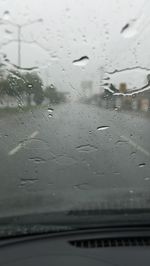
(33, 135)
(15, 150)
(135, 145)
(20, 145)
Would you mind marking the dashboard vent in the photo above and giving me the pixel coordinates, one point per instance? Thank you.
(116, 242)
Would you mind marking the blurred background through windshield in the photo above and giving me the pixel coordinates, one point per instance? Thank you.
(74, 105)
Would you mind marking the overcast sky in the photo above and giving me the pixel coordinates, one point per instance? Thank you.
(75, 28)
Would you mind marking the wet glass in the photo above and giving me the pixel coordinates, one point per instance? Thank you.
(74, 105)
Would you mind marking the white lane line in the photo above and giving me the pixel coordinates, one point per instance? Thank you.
(135, 145)
(33, 135)
(15, 150)
(20, 145)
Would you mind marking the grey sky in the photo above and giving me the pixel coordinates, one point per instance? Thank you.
(74, 28)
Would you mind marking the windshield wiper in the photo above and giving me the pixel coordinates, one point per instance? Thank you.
(56, 222)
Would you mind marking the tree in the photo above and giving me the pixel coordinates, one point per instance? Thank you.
(53, 95)
(3, 86)
(16, 84)
(33, 86)
(38, 96)
(11, 85)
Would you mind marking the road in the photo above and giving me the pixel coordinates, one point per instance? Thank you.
(80, 155)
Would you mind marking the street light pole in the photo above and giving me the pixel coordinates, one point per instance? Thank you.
(19, 45)
(19, 28)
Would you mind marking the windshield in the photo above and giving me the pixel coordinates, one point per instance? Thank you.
(74, 106)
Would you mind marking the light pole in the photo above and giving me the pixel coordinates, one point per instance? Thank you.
(19, 45)
(19, 29)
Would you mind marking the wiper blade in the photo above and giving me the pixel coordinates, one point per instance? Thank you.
(56, 222)
(7, 231)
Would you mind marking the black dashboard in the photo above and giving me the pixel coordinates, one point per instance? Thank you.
(76, 248)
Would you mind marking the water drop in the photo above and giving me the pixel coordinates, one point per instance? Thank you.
(25, 181)
(85, 40)
(120, 141)
(131, 191)
(54, 57)
(106, 78)
(86, 148)
(126, 26)
(82, 61)
(50, 110)
(116, 173)
(83, 186)
(147, 178)
(30, 86)
(37, 159)
(64, 160)
(142, 165)
(133, 153)
(102, 128)
(6, 15)
(8, 31)
(130, 29)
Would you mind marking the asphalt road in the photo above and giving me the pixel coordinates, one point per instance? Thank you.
(66, 160)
